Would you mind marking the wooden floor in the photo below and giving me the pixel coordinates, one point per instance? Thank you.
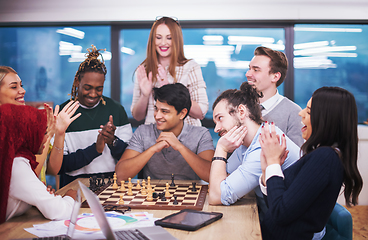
(360, 222)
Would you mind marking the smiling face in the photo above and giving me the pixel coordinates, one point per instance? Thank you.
(223, 120)
(90, 88)
(163, 41)
(167, 118)
(259, 74)
(305, 114)
(11, 90)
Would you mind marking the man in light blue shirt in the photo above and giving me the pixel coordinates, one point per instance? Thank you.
(238, 121)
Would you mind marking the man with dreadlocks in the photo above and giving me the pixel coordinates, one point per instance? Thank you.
(103, 121)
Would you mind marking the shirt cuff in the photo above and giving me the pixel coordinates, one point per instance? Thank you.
(263, 188)
(273, 170)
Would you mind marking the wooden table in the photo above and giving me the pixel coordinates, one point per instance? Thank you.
(239, 221)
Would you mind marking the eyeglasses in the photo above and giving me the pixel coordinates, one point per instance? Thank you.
(121, 209)
(175, 19)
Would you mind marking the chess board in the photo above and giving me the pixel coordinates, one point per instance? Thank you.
(186, 198)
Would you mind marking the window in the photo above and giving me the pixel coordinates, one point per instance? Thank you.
(47, 58)
(331, 55)
(223, 54)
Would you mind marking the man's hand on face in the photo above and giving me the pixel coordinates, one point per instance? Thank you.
(171, 139)
(232, 139)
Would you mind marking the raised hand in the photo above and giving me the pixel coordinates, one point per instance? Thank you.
(232, 139)
(50, 121)
(145, 83)
(108, 131)
(65, 117)
(161, 76)
(273, 151)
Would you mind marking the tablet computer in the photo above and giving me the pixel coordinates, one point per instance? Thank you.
(189, 219)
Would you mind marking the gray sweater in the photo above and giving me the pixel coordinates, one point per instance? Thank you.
(285, 116)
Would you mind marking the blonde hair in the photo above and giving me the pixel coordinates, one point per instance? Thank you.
(4, 70)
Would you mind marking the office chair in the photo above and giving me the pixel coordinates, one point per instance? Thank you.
(339, 225)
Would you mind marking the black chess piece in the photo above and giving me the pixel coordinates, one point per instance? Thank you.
(175, 200)
(163, 197)
(172, 181)
(155, 195)
(194, 189)
(109, 181)
(102, 179)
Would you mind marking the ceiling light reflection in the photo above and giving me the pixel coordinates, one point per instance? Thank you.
(71, 32)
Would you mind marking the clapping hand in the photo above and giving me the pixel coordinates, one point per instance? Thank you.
(145, 83)
(65, 117)
(161, 76)
(273, 152)
(108, 131)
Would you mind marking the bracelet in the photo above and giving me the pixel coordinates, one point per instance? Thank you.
(59, 149)
(219, 158)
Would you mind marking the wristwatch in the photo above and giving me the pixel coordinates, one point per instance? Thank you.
(115, 142)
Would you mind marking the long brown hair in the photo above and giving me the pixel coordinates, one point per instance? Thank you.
(177, 46)
(334, 120)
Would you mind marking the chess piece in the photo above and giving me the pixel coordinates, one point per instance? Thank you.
(194, 189)
(130, 185)
(149, 197)
(115, 186)
(167, 193)
(175, 200)
(143, 190)
(163, 198)
(172, 180)
(130, 192)
(103, 179)
(122, 187)
(144, 183)
(121, 200)
(138, 185)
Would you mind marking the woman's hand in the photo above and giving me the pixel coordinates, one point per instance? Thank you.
(50, 121)
(161, 76)
(64, 117)
(145, 83)
(272, 151)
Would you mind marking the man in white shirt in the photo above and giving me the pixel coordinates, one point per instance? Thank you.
(267, 70)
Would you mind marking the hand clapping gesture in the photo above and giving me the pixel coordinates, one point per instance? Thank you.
(145, 83)
(108, 131)
(272, 151)
(65, 117)
(162, 76)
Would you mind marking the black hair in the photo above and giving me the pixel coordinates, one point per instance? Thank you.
(247, 95)
(334, 122)
(176, 95)
(90, 64)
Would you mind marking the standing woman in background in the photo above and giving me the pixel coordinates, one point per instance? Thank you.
(12, 91)
(166, 63)
(301, 198)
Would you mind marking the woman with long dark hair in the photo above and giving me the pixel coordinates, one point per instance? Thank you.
(301, 198)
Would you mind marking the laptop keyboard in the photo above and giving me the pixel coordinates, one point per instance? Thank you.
(133, 234)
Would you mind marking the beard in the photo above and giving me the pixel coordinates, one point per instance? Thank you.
(236, 123)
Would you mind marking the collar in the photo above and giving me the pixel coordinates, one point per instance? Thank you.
(85, 107)
(272, 101)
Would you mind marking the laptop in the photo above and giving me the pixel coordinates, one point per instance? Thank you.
(151, 233)
(144, 233)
